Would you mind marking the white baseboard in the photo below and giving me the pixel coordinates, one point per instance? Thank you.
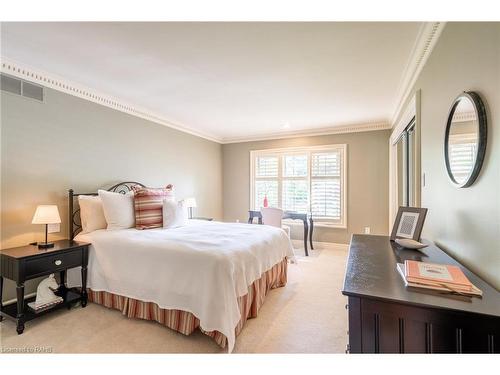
(300, 244)
(14, 300)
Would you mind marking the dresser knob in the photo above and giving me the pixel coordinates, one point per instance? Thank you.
(58, 262)
(347, 306)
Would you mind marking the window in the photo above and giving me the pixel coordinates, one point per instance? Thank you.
(305, 179)
(462, 155)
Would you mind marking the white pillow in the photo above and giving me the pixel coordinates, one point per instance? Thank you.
(174, 214)
(118, 209)
(91, 213)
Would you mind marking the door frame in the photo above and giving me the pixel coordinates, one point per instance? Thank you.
(412, 110)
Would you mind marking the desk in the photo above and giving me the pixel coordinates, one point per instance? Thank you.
(306, 219)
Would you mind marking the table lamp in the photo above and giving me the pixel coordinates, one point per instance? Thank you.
(190, 203)
(46, 214)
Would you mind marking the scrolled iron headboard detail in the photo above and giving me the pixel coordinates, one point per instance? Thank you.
(75, 224)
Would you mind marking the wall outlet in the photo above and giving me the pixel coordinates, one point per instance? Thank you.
(367, 230)
(237, 220)
(54, 228)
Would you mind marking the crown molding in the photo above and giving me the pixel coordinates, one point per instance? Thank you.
(61, 84)
(355, 128)
(426, 40)
(464, 116)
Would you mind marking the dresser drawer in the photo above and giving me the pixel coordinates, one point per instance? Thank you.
(53, 263)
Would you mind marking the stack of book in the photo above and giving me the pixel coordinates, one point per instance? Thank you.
(440, 277)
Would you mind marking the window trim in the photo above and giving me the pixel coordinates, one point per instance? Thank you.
(342, 224)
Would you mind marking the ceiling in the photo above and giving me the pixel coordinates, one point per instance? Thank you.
(230, 81)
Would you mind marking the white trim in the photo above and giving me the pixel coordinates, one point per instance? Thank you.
(412, 110)
(427, 38)
(464, 116)
(404, 120)
(299, 243)
(58, 83)
(343, 178)
(354, 128)
(14, 300)
(297, 149)
(393, 183)
(317, 224)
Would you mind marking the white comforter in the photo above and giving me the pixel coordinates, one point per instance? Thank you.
(201, 268)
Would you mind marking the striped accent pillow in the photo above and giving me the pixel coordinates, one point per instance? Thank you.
(148, 204)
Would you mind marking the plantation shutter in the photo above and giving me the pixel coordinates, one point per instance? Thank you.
(301, 179)
(326, 184)
(295, 187)
(462, 153)
(266, 181)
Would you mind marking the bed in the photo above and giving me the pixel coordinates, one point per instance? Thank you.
(211, 276)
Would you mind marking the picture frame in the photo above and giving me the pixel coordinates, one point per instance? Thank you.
(409, 223)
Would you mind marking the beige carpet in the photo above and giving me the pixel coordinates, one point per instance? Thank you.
(306, 316)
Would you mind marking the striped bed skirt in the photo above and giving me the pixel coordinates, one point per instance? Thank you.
(185, 322)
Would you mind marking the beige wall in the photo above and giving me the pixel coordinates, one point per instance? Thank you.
(367, 178)
(465, 222)
(67, 142)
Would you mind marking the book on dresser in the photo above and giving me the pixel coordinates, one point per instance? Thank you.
(439, 277)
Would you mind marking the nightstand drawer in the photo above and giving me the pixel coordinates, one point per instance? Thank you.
(53, 263)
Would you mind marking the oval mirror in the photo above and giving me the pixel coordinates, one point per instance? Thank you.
(465, 139)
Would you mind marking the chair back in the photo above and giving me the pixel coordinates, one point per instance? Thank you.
(271, 216)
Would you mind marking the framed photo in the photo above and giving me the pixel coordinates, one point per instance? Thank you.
(409, 223)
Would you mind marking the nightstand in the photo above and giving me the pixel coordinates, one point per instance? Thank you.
(203, 218)
(28, 262)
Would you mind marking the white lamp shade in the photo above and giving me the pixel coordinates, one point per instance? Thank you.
(190, 202)
(46, 214)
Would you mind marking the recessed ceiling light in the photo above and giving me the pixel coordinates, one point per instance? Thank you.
(286, 126)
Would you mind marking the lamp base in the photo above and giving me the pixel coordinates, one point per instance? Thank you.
(45, 245)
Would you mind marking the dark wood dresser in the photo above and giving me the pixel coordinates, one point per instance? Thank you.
(387, 317)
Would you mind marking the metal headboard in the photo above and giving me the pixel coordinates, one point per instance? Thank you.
(75, 224)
